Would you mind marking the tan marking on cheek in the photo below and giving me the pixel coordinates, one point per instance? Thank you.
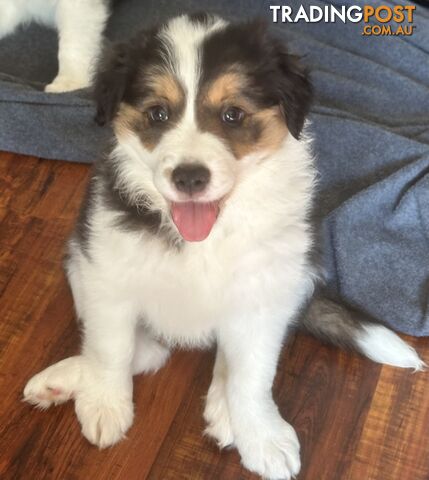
(263, 131)
(126, 120)
(274, 129)
(130, 120)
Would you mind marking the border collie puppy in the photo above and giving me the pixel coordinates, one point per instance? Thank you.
(195, 230)
(80, 25)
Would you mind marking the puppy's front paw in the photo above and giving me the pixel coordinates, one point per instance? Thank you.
(54, 385)
(66, 84)
(104, 417)
(272, 451)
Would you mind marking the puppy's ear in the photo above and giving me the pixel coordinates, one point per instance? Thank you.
(114, 73)
(294, 89)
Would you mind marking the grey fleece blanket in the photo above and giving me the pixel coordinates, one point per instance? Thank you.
(370, 125)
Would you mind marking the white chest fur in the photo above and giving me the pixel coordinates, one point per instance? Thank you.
(253, 260)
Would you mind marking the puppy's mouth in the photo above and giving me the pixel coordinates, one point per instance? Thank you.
(194, 220)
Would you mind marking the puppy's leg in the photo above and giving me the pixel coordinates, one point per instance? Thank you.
(100, 379)
(103, 402)
(80, 26)
(149, 355)
(267, 444)
(216, 412)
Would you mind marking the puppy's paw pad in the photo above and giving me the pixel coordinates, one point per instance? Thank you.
(54, 385)
(104, 421)
(216, 414)
(273, 454)
(42, 394)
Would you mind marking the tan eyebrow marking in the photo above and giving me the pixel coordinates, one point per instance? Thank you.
(165, 85)
(228, 85)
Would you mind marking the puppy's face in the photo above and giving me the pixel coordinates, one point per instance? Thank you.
(194, 98)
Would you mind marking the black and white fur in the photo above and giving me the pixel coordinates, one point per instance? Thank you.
(139, 288)
(80, 25)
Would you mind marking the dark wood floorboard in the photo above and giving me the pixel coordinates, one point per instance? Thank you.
(356, 420)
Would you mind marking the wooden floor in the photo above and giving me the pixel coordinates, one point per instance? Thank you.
(355, 420)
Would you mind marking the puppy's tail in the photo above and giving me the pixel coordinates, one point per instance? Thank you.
(347, 328)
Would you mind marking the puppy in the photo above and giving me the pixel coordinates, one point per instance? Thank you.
(195, 230)
(80, 25)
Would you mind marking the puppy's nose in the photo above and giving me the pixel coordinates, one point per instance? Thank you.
(190, 178)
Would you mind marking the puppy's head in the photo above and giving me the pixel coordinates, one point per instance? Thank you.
(195, 97)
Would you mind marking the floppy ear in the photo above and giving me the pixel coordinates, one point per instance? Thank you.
(294, 89)
(114, 73)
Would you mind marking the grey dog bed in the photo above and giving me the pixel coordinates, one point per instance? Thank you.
(370, 125)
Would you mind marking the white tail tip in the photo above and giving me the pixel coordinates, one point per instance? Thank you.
(383, 346)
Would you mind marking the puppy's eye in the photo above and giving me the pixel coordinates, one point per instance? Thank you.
(158, 114)
(233, 116)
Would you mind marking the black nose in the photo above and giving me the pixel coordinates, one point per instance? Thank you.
(190, 178)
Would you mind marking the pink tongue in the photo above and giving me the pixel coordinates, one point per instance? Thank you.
(194, 220)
